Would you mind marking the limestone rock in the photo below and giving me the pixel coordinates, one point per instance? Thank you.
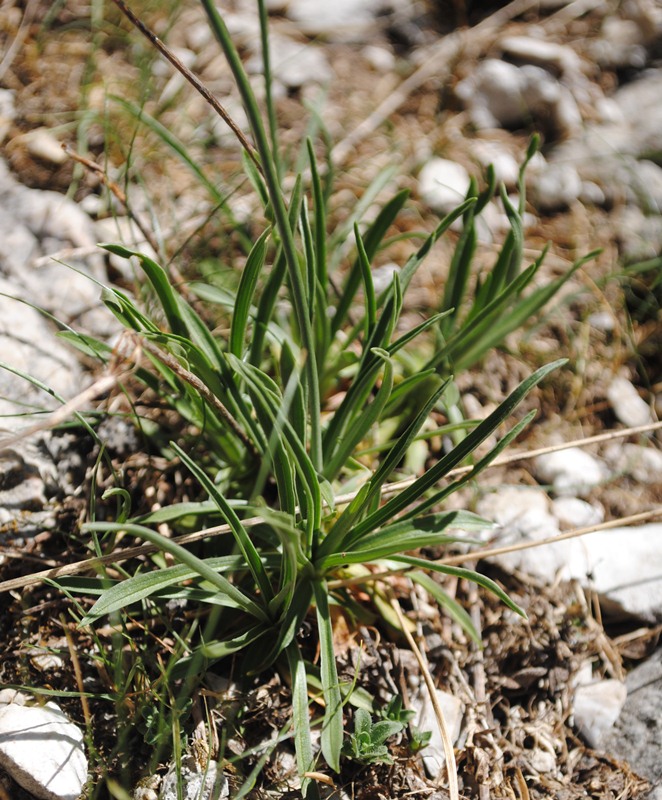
(452, 708)
(443, 184)
(630, 408)
(572, 472)
(42, 751)
(596, 708)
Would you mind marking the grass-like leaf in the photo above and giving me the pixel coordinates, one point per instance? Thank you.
(243, 601)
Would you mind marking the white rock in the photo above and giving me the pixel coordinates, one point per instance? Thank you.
(624, 565)
(380, 58)
(198, 781)
(645, 129)
(340, 20)
(571, 512)
(596, 708)
(629, 407)
(550, 55)
(452, 709)
(41, 143)
(644, 464)
(7, 111)
(524, 514)
(602, 321)
(506, 168)
(443, 184)
(42, 751)
(557, 187)
(294, 64)
(519, 509)
(499, 94)
(28, 344)
(572, 472)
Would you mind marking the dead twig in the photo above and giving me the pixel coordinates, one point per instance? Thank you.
(197, 84)
(451, 765)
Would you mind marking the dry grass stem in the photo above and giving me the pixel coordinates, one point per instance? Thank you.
(451, 766)
(197, 84)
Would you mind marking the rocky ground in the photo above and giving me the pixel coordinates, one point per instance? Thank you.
(566, 705)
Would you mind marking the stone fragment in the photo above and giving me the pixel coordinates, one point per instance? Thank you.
(644, 464)
(341, 20)
(443, 184)
(624, 565)
(646, 128)
(7, 111)
(41, 144)
(596, 708)
(506, 168)
(42, 751)
(452, 709)
(557, 187)
(294, 64)
(571, 512)
(196, 778)
(499, 94)
(630, 408)
(550, 55)
(571, 473)
(636, 735)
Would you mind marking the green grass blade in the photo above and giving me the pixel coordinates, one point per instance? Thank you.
(285, 229)
(403, 536)
(160, 283)
(523, 310)
(466, 574)
(457, 455)
(132, 590)
(371, 490)
(332, 727)
(241, 535)
(451, 606)
(300, 717)
(245, 292)
(484, 462)
(242, 600)
(361, 424)
(371, 242)
(368, 286)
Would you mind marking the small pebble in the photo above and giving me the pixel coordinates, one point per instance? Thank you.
(630, 408)
(597, 707)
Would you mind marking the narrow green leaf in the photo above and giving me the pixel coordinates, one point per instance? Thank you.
(368, 286)
(456, 456)
(300, 716)
(451, 606)
(361, 424)
(332, 727)
(245, 292)
(467, 574)
(400, 537)
(240, 533)
(242, 600)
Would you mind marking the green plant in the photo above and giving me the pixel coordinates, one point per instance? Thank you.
(367, 743)
(395, 712)
(271, 455)
(418, 739)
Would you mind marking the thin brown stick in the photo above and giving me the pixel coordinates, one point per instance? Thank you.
(451, 765)
(117, 191)
(398, 486)
(172, 363)
(78, 672)
(197, 84)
